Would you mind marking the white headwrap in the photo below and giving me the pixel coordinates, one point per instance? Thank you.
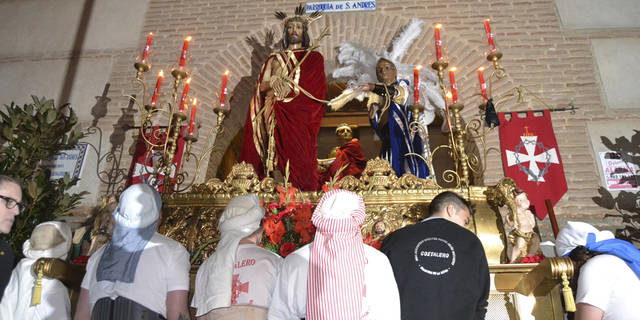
(54, 298)
(139, 207)
(136, 220)
(575, 234)
(59, 251)
(240, 218)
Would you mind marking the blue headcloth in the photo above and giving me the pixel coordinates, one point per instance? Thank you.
(619, 248)
(136, 220)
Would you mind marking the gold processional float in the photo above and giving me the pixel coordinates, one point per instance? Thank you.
(191, 211)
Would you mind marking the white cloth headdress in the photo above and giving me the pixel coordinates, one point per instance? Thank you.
(335, 284)
(59, 251)
(575, 234)
(240, 218)
(139, 207)
(54, 298)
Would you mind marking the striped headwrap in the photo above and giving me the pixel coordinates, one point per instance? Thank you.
(335, 285)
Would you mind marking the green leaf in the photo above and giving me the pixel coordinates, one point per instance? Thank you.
(51, 116)
(34, 133)
(7, 133)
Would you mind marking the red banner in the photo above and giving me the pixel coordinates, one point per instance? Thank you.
(531, 158)
(144, 160)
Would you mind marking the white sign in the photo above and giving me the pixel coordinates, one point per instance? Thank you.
(68, 161)
(341, 6)
(618, 174)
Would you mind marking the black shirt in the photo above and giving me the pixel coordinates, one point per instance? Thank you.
(6, 265)
(441, 271)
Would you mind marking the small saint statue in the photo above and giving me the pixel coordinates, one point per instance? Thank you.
(348, 157)
(523, 237)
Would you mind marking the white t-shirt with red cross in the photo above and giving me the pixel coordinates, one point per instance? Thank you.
(254, 276)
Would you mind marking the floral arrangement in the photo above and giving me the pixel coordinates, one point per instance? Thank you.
(530, 258)
(287, 223)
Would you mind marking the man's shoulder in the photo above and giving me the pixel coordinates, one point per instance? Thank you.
(165, 242)
(262, 252)
(603, 264)
(374, 255)
(433, 228)
(299, 256)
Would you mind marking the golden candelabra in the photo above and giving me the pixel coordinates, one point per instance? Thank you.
(167, 138)
(465, 162)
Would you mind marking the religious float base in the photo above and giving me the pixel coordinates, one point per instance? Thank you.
(518, 291)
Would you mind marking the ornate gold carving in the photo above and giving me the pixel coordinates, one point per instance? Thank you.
(378, 175)
(502, 194)
(409, 181)
(243, 176)
(351, 183)
(175, 226)
(545, 276)
(191, 218)
(393, 216)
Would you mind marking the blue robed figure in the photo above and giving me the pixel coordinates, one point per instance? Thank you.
(390, 117)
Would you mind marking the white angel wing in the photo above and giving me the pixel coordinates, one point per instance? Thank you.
(404, 40)
(358, 64)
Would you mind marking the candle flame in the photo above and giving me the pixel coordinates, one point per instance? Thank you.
(418, 67)
(151, 34)
(449, 95)
(438, 26)
(226, 73)
(189, 80)
(487, 20)
(481, 69)
(161, 74)
(453, 69)
(195, 101)
(188, 38)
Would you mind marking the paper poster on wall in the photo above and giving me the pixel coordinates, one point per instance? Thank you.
(618, 174)
(69, 161)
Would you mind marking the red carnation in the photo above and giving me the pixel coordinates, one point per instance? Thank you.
(532, 258)
(287, 248)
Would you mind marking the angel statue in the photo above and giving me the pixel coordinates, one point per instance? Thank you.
(406, 150)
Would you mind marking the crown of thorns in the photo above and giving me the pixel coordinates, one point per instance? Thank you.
(300, 15)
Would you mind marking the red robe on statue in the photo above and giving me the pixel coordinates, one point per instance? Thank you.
(279, 131)
(349, 154)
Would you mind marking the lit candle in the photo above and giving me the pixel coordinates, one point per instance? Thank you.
(438, 42)
(483, 85)
(193, 115)
(223, 89)
(454, 87)
(145, 52)
(416, 84)
(156, 91)
(184, 94)
(487, 30)
(185, 47)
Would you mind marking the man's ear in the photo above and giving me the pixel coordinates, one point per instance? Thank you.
(451, 210)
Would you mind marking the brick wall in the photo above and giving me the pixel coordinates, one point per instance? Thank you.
(537, 54)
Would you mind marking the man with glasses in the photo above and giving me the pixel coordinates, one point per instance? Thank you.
(11, 195)
(438, 263)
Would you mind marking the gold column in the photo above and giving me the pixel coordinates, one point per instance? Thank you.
(460, 133)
